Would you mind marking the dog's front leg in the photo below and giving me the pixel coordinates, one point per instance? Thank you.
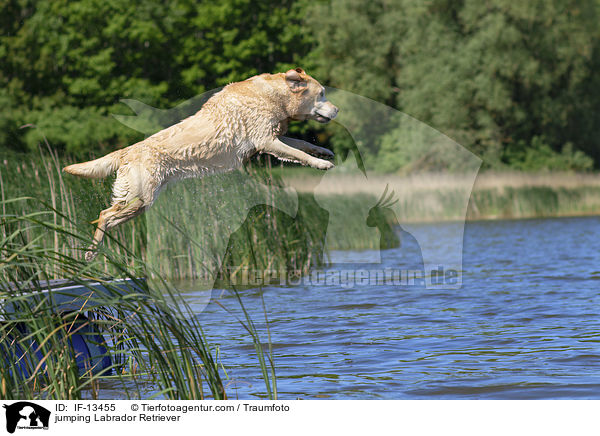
(284, 152)
(307, 147)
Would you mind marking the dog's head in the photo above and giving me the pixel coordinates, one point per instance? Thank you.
(308, 100)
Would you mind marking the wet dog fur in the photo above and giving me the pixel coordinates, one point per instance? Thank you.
(243, 119)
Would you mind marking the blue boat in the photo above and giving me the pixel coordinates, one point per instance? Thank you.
(88, 345)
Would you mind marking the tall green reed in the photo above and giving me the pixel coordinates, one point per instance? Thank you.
(154, 339)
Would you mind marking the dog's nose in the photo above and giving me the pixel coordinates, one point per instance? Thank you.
(333, 111)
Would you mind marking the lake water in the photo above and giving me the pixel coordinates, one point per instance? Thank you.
(524, 325)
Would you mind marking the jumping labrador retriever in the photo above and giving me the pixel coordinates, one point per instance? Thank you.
(243, 119)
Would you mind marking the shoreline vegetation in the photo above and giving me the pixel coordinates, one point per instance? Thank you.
(192, 221)
(435, 197)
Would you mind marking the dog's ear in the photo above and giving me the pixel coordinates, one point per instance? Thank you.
(295, 81)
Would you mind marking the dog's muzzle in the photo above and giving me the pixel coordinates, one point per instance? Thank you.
(326, 116)
(321, 118)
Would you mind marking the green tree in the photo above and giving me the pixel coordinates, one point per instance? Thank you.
(67, 64)
(492, 75)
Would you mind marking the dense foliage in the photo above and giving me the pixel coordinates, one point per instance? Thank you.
(67, 64)
(515, 82)
(512, 81)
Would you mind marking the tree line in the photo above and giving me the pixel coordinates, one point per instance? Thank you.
(515, 82)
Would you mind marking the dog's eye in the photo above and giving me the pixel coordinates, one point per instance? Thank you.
(322, 94)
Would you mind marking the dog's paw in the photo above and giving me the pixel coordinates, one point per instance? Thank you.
(91, 254)
(324, 165)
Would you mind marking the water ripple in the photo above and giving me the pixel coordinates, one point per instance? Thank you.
(525, 325)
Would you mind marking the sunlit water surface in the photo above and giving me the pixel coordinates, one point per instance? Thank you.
(525, 324)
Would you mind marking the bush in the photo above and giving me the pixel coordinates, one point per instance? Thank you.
(539, 156)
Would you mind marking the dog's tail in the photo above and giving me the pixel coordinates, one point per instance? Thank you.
(98, 168)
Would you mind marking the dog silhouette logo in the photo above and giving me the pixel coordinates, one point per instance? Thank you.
(26, 415)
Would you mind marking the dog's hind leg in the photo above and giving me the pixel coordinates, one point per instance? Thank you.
(118, 213)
